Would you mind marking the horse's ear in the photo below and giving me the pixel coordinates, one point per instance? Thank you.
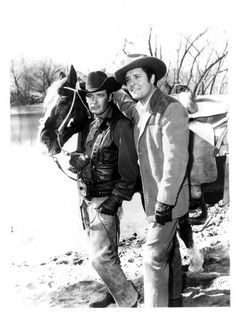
(61, 75)
(72, 77)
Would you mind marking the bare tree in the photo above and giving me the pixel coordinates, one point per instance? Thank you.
(44, 73)
(21, 82)
(207, 78)
(152, 44)
(30, 81)
(15, 78)
(198, 64)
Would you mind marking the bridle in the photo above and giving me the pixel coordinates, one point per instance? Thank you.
(62, 125)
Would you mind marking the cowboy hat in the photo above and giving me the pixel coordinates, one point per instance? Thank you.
(141, 61)
(98, 81)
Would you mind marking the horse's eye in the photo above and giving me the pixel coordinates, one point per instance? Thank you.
(62, 91)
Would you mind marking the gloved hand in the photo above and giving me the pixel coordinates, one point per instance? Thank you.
(111, 205)
(78, 161)
(73, 169)
(163, 213)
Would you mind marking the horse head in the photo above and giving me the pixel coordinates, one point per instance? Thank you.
(66, 113)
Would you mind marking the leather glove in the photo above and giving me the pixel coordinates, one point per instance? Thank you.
(111, 205)
(163, 213)
(78, 161)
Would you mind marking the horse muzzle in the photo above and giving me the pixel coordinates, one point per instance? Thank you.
(50, 146)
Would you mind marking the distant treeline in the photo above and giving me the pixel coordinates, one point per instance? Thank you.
(198, 65)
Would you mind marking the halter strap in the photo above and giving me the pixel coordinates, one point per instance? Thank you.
(58, 131)
(71, 107)
(68, 114)
(55, 159)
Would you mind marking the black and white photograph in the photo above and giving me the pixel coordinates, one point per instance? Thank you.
(118, 171)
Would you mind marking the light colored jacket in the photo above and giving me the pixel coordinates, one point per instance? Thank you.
(161, 138)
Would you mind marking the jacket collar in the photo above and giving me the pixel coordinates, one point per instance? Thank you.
(154, 104)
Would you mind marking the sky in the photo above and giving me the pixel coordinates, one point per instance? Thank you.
(89, 34)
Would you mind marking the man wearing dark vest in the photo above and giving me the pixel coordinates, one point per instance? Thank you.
(107, 170)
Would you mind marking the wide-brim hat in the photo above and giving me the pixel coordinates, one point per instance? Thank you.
(133, 61)
(98, 81)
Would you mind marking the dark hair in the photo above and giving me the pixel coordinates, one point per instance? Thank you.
(108, 93)
(149, 74)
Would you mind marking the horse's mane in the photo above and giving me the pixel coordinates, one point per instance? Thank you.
(52, 92)
(51, 98)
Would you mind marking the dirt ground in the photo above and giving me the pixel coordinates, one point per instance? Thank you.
(68, 281)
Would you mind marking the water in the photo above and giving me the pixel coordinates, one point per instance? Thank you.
(24, 124)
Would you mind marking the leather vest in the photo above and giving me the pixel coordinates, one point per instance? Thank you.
(102, 171)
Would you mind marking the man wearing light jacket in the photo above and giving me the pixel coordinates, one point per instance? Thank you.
(161, 138)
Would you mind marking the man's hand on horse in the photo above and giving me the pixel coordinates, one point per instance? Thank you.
(78, 161)
(111, 205)
(163, 213)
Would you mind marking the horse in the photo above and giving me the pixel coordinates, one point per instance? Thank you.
(66, 113)
(208, 150)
